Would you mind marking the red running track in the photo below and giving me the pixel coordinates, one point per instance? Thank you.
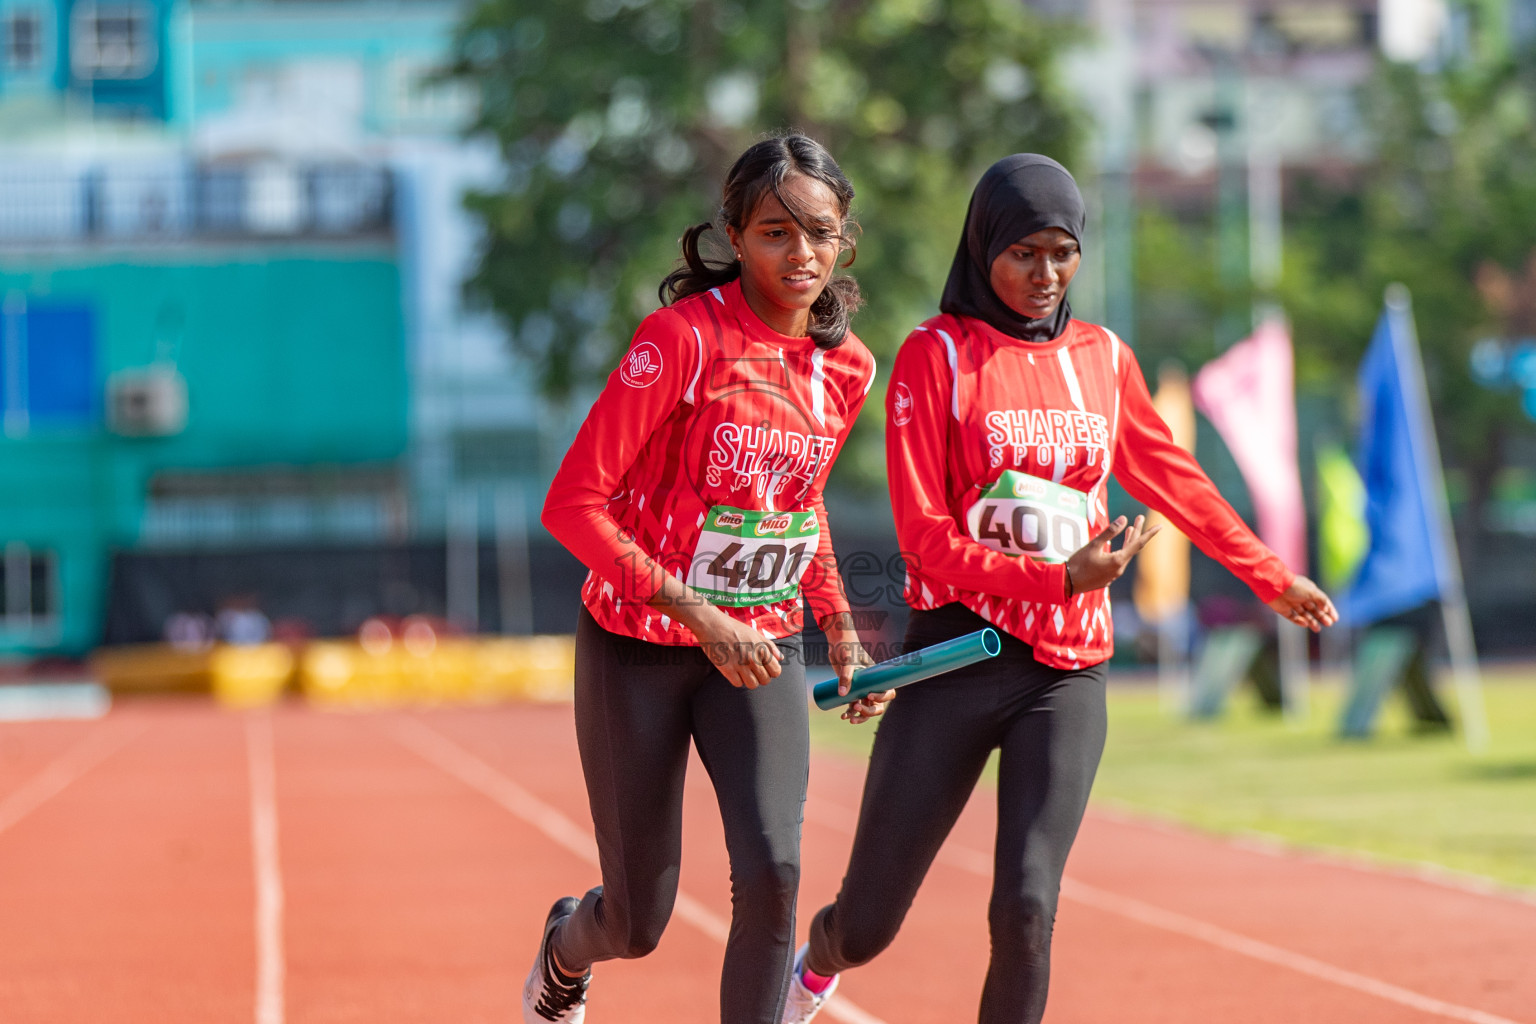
(175, 864)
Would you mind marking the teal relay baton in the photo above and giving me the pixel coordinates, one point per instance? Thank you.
(911, 668)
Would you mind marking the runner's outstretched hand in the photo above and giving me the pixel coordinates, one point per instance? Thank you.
(1305, 604)
(1097, 565)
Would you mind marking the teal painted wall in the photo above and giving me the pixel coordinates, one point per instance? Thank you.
(294, 358)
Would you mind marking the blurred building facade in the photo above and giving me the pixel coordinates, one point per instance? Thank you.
(231, 255)
(1204, 103)
(1215, 102)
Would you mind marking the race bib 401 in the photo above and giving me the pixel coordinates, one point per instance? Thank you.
(747, 558)
(1024, 515)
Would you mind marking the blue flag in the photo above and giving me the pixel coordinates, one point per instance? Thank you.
(1407, 564)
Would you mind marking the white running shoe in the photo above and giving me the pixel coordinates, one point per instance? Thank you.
(802, 1004)
(545, 997)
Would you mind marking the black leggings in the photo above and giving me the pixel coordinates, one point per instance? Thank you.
(637, 706)
(930, 749)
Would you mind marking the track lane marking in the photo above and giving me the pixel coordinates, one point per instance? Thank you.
(964, 858)
(475, 773)
(79, 759)
(1193, 928)
(270, 966)
(1270, 845)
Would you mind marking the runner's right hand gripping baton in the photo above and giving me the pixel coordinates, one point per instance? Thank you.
(911, 668)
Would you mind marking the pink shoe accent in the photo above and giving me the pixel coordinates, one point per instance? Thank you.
(815, 983)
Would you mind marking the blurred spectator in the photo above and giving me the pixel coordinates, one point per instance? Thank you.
(240, 622)
(291, 631)
(1216, 610)
(189, 631)
(376, 636)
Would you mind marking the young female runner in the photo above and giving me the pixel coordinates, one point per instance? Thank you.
(1006, 419)
(693, 494)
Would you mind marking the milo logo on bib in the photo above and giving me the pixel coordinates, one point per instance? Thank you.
(745, 559)
(1025, 515)
(774, 525)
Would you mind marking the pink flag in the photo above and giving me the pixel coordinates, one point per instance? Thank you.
(1248, 394)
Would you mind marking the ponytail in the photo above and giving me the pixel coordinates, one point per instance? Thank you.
(697, 274)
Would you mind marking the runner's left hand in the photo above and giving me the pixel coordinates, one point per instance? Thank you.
(865, 708)
(1305, 604)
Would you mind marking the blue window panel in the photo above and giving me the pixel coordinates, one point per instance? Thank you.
(13, 340)
(61, 365)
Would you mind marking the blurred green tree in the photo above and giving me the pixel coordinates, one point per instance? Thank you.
(618, 119)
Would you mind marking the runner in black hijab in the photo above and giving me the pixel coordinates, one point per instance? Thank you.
(964, 392)
(1019, 195)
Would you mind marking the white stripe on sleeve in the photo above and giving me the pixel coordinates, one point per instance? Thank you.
(691, 395)
(954, 373)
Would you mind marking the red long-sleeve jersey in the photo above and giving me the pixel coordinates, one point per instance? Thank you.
(999, 453)
(705, 457)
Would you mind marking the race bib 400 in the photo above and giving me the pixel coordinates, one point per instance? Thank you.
(1024, 515)
(747, 558)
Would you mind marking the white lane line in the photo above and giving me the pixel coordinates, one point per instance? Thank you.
(975, 862)
(1192, 928)
(458, 762)
(268, 870)
(65, 769)
(1270, 845)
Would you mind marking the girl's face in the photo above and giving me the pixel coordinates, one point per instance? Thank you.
(1032, 274)
(784, 267)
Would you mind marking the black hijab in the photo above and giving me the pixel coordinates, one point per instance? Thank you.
(1019, 195)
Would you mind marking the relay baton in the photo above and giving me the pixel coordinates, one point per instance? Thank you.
(911, 668)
